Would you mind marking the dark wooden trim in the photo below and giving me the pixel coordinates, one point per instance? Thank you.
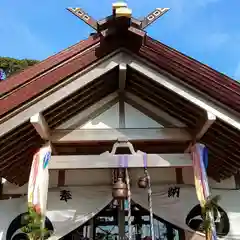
(61, 178)
(179, 175)
(98, 147)
(122, 117)
(237, 180)
(9, 196)
(1, 188)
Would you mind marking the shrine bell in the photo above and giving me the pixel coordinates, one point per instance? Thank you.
(143, 182)
(119, 190)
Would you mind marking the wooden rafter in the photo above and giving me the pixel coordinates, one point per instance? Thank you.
(90, 112)
(179, 89)
(154, 112)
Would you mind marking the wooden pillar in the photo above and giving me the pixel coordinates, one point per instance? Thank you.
(61, 178)
(179, 175)
(237, 180)
(91, 229)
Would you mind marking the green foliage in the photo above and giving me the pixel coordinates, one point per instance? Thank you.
(33, 225)
(210, 206)
(12, 65)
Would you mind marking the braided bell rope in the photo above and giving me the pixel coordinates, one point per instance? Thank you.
(129, 204)
(149, 197)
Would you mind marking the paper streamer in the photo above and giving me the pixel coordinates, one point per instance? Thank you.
(201, 180)
(38, 181)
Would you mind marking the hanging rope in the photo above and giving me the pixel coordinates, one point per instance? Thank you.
(129, 204)
(149, 195)
(114, 175)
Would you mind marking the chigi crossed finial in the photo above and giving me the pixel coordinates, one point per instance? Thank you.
(120, 10)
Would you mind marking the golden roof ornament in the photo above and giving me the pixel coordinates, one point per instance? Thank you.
(120, 9)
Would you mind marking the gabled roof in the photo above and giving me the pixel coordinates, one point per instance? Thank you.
(30, 83)
(23, 90)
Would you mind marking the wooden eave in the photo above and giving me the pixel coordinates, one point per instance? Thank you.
(19, 145)
(221, 139)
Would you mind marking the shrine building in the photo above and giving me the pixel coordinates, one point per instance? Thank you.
(120, 110)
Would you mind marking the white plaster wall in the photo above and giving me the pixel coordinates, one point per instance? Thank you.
(188, 175)
(227, 183)
(88, 177)
(108, 119)
(158, 175)
(136, 119)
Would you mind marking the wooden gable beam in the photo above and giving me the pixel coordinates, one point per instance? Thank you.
(122, 76)
(41, 126)
(107, 160)
(160, 134)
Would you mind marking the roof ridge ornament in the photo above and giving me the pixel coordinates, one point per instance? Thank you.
(120, 14)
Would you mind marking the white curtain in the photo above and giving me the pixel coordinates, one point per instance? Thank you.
(171, 209)
(86, 202)
(9, 209)
(175, 210)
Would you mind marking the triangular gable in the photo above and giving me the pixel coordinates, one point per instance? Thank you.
(107, 119)
(110, 119)
(110, 116)
(104, 67)
(96, 82)
(137, 119)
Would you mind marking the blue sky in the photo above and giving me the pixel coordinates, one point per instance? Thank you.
(207, 30)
